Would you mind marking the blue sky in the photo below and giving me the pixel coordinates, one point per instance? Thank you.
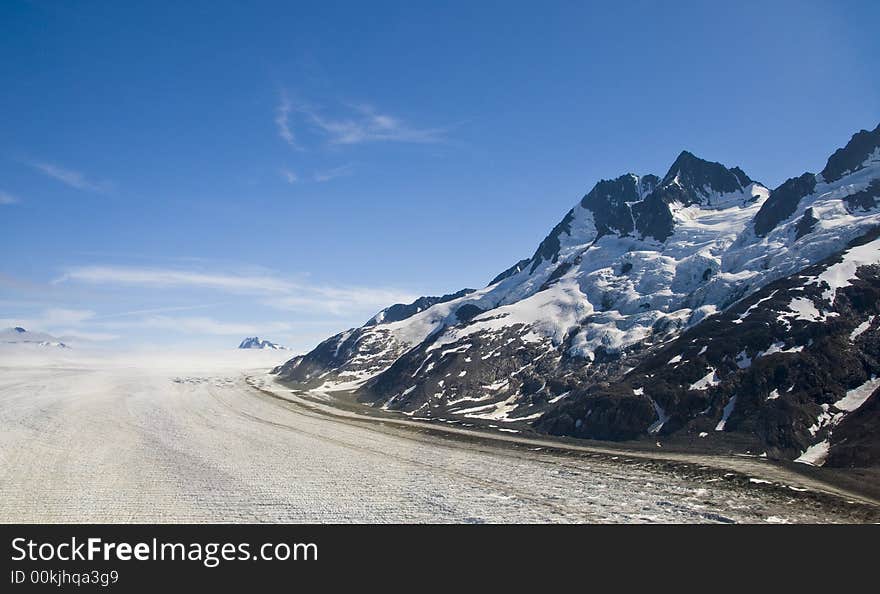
(196, 172)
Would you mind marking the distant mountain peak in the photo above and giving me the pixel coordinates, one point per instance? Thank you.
(18, 335)
(254, 342)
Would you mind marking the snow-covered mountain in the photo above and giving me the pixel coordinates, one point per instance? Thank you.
(254, 342)
(19, 335)
(794, 369)
(637, 262)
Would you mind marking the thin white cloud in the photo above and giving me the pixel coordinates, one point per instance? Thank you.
(365, 124)
(339, 300)
(202, 325)
(164, 278)
(49, 319)
(282, 120)
(72, 324)
(59, 322)
(350, 124)
(273, 291)
(307, 306)
(72, 334)
(331, 174)
(7, 198)
(72, 178)
(156, 310)
(59, 316)
(289, 176)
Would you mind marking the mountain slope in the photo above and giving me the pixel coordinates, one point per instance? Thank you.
(638, 261)
(791, 367)
(347, 359)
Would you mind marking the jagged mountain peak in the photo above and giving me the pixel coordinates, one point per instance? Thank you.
(627, 188)
(610, 202)
(700, 178)
(642, 206)
(648, 183)
(863, 147)
(685, 160)
(254, 342)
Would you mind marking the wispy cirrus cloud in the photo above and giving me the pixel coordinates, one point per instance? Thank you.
(7, 198)
(282, 119)
(74, 325)
(84, 325)
(288, 176)
(350, 124)
(331, 174)
(156, 310)
(365, 124)
(200, 326)
(169, 277)
(57, 316)
(339, 300)
(271, 290)
(50, 318)
(71, 178)
(250, 304)
(66, 324)
(75, 334)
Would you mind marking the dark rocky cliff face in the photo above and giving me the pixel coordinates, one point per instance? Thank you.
(852, 157)
(652, 215)
(783, 202)
(609, 202)
(548, 250)
(699, 177)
